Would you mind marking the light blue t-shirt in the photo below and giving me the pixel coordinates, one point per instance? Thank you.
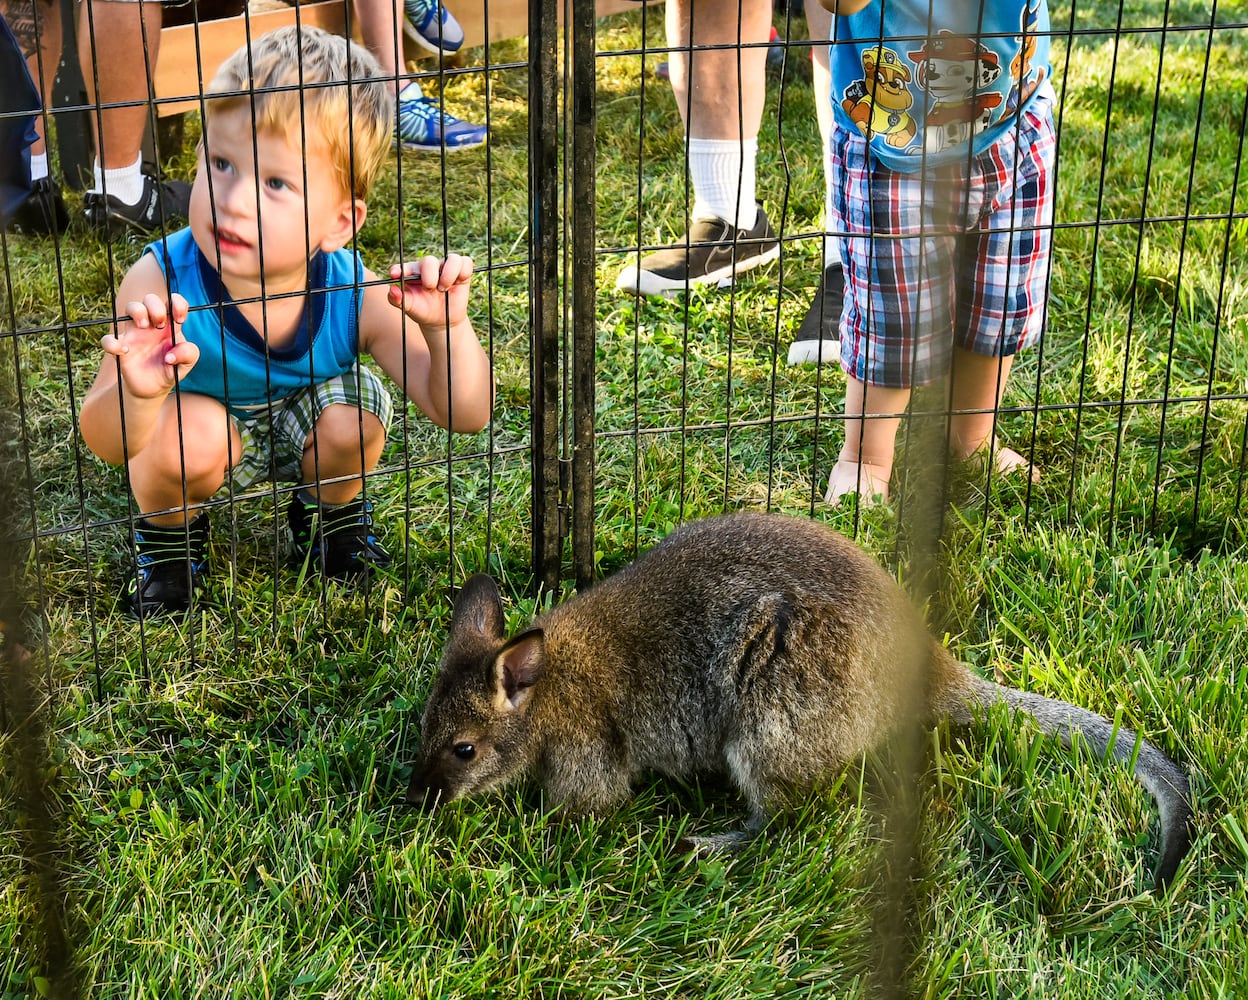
(236, 365)
(922, 79)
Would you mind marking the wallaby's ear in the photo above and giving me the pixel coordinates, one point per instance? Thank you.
(478, 610)
(517, 668)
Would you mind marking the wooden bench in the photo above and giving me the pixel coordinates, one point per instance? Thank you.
(185, 48)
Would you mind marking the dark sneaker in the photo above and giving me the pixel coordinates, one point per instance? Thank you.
(339, 538)
(817, 341)
(431, 26)
(712, 252)
(165, 204)
(424, 125)
(171, 560)
(43, 212)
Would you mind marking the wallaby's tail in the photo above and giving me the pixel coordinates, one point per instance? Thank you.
(1161, 776)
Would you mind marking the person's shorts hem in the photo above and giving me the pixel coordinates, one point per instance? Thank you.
(273, 440)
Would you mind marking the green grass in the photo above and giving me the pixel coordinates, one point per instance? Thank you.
(226, 793)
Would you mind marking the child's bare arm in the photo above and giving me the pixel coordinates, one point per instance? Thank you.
(844, 6)
(418, 331)
(146, 351)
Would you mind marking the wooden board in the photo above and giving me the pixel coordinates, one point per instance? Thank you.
(191, 53)
(510, 18)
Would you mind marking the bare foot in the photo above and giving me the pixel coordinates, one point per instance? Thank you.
(869, 481)
(1006, 461)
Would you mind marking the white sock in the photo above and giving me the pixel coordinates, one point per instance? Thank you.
(38, 166)
(831, 242)
(125, 183)
(411, 92)
(722, 173)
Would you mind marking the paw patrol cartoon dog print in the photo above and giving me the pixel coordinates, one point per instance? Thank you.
(879, 103)
(956, 73)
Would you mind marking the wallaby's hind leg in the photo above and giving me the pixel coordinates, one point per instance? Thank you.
(757, 659)
(756, 793)
(725, 843)
(718, 843)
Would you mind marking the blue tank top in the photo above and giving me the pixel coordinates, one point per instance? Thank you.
(928, 83)
(235, 364)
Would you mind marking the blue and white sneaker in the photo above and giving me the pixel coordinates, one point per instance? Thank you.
(424, 125)
(432, 26)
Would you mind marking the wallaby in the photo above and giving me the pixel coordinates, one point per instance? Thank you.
(765, 646)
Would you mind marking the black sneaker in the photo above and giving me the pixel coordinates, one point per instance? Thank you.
(43, 212)
(340, 540)
(164, 204)
(171, 561)
(817, 340)
(712, 252)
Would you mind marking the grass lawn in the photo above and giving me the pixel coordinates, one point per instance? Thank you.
(224, 794)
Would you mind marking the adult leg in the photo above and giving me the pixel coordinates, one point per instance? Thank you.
(36, 24)
(117, 47)
(718, 73)
(379, 24)
(817, 338)
(819, 25)
(422, 123)
(720, 92)
(118, 42)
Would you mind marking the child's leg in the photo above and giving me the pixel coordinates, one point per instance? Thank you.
(184, 463)
(872, 417)
(976, 388)
(345, 443)
(1003, 280)
(978, 385)
(327, 521)
(186, 459)
(330, 435)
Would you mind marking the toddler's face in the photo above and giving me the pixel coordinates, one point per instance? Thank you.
(260, 204)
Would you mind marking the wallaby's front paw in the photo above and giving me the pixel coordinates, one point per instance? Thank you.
(719, 844)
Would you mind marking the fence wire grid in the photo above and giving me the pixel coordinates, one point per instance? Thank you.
(1132, 407)
(617, 416)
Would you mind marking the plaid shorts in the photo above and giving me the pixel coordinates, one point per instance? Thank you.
(952, 255)
(274, 438)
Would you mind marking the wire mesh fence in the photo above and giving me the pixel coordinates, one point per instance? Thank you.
(1137, 328)
(617, 415)
(1132, 408)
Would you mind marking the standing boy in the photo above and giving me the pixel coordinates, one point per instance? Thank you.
(258, 313)
(942, 153)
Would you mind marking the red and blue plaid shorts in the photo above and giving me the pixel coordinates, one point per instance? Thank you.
(951, 255)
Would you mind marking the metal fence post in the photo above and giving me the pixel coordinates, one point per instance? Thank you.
(544, 284)
(584, 285)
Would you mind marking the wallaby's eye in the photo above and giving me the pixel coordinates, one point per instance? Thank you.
(464, 751)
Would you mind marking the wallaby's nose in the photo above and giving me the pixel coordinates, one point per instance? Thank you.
(422, 794)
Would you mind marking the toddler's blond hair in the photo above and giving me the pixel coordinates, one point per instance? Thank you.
(309, 84)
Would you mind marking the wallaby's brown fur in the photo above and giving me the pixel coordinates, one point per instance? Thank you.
(767, 647)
